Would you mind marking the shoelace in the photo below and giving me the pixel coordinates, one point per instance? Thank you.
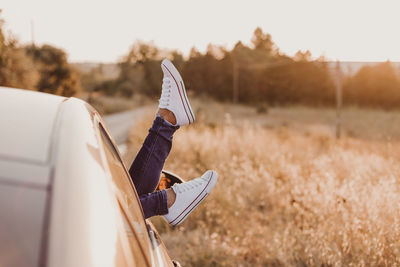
(188, 185)
(165, 92)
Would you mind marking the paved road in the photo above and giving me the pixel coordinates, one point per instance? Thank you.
(120, 124)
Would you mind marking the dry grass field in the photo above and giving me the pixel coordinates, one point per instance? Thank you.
(289, 193)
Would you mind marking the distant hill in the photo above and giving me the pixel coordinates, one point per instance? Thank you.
(110, 70)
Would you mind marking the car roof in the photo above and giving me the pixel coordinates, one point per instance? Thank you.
(27, 122)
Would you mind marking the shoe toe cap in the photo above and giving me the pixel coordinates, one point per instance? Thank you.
(211, 177)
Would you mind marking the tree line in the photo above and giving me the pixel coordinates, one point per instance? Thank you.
(262, 74)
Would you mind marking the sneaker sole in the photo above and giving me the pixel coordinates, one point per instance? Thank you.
(203, 194)
(181, 89)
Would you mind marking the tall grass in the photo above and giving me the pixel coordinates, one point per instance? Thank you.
(286, 197)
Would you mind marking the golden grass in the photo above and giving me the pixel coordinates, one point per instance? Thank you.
(287, 197)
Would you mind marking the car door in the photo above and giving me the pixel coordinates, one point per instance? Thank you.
(143, 239)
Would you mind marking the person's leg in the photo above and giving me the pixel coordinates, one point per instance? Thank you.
(178, 202)
(146, 168)
(174, 109)
(155, 203)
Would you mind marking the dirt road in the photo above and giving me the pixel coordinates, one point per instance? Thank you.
(119, 124)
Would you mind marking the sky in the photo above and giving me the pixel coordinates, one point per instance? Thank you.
(103, 31)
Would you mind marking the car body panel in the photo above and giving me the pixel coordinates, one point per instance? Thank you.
(91, 215)
(16, 122)
(23, 173)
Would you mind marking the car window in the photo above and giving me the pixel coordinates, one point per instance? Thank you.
(22, 211)
(130, 207)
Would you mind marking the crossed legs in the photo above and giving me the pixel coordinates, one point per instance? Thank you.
(177, 202)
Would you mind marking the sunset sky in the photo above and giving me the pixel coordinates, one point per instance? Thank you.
(103, 31)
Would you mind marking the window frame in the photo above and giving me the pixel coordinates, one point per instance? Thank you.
(115, 151)
(121, 208)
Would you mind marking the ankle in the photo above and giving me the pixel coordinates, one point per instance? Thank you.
(171, 197)
(167, 115)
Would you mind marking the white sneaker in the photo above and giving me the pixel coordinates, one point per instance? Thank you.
(189, 195)
(173, 95)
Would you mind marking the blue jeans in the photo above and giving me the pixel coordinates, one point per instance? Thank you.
(146, 168)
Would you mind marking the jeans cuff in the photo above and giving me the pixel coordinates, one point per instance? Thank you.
(163, 207)
(164, 122)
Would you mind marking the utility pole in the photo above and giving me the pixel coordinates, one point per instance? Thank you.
(339, 87)
(235, 81)
(32, 33)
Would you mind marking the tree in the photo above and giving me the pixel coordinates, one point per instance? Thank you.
(263, 43)
(16, 69)
(140, 70)
(206, 74)
(374, 86)
(303, 56)
(92, 79)
(57, 76)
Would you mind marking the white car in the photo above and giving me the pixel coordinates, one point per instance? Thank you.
(66, 198)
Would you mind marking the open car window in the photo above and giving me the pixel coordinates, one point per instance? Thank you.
(130, 207)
